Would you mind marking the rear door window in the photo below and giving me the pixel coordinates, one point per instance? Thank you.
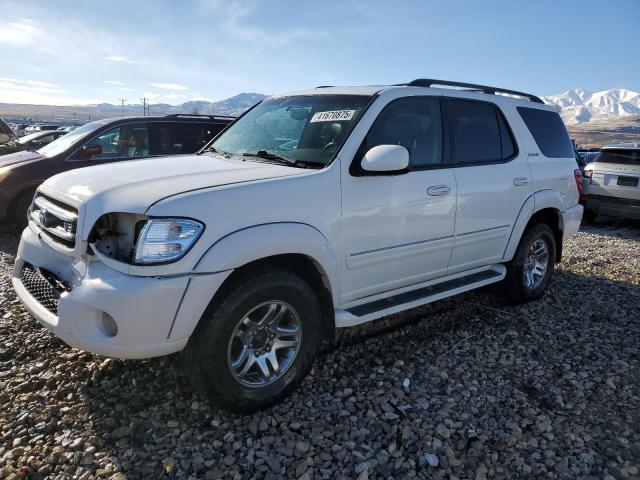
(480, 133)
(548, 131)
(173, 138)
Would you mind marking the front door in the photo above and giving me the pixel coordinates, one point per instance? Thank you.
(398, 228)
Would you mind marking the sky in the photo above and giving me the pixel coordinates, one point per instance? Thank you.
(82, 52)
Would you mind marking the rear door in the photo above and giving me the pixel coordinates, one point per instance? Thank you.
(493, 180)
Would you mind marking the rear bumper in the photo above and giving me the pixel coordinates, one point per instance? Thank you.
(614, 206)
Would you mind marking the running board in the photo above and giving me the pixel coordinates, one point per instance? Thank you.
(406, 300)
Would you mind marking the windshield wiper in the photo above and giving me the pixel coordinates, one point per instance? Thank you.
(213, 149)
(274, 157)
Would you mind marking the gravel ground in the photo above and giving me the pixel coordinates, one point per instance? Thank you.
(464, 388)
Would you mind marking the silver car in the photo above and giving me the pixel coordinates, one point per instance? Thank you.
(614, 186)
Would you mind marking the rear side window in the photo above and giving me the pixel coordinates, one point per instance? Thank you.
(480, 133)
(620, 156)
(548, 131)
(413, 122)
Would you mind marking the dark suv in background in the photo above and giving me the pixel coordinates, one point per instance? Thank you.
(98, 142)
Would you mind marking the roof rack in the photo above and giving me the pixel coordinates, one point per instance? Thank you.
(428, 82)
(197, 115)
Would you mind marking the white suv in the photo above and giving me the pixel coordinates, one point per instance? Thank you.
(318, 209)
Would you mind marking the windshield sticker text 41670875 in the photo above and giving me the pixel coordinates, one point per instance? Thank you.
(332, 116)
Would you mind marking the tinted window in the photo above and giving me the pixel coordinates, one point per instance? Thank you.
(621, 156)
(179, 137)
(548, 131)
(480, 133)
(413, 122)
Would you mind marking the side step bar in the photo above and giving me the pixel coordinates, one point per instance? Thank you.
(406, 300)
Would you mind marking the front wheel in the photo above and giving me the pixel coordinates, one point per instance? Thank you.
(530, 271)
(257, 343)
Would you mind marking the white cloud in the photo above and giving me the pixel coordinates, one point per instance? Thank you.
(118, 59)
(198, 98)
(18, 33)
(114, 82)
(169, 86)
(37, 83)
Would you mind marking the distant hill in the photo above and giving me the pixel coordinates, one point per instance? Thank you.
(233, 106)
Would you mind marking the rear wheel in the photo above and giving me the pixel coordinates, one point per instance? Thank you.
(530, 271)
(257, 343)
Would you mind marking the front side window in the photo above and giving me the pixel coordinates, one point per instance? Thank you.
(123, 141)
(414, 123)
(548, 131)
(480, 133)
(305, 128)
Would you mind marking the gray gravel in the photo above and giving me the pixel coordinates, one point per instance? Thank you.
(464, 388)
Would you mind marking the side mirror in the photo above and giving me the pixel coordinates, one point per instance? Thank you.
(386, 158)
(89, 151)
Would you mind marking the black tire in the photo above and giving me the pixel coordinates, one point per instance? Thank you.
(205, 358)
(19, 208)
(589, 216)
(515, 290)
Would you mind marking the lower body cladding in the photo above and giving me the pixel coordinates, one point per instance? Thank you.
(94, 308)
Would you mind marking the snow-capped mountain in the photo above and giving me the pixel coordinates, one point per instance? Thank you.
(579, 106)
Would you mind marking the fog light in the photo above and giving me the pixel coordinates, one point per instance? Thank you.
(109, 325)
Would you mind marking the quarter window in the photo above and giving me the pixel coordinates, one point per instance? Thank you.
(414, 123)
(480, 133)
(548, 131)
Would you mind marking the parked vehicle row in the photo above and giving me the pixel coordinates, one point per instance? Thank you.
(95, 143)
(319, 209)
(612, 184)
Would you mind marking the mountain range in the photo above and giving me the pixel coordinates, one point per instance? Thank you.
(232, 106)
(579, 106)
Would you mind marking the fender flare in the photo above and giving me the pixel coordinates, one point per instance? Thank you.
(534, 203)
(262, 241)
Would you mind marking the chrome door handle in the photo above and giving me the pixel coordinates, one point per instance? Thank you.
(520, 181)
(438, 190)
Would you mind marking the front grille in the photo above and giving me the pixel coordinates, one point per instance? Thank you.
(44, 286)
(56, 219)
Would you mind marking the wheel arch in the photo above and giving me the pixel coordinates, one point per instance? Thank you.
(545, 206)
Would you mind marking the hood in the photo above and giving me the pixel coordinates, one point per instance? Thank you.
(133, 186)
(14, 159)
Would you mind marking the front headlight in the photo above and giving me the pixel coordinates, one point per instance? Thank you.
(164, 240)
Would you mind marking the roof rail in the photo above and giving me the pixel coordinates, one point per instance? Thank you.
(197, 115)
(428, 82)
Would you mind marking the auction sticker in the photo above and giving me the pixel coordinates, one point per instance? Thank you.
(332, 116)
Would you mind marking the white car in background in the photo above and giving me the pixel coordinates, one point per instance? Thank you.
(318, 209)
(614, 182)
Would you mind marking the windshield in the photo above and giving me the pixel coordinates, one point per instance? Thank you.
(66, 141)
(307, 129)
